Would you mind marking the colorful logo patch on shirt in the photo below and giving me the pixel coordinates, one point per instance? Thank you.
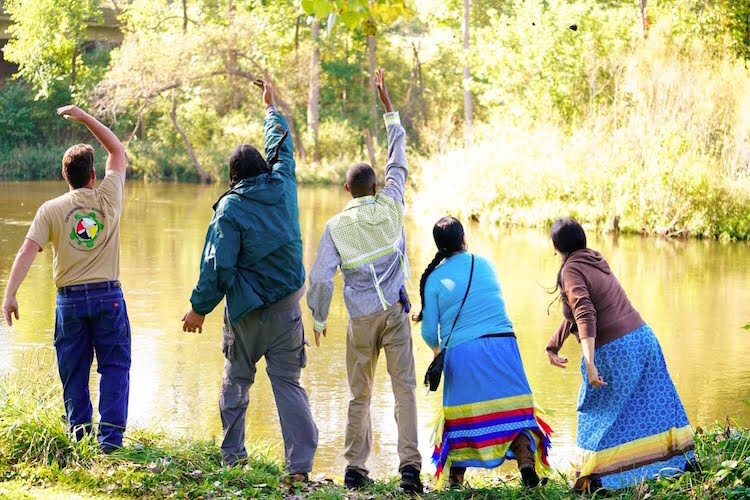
(86, 229)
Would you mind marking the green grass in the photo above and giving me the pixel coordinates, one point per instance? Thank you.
(39, 460)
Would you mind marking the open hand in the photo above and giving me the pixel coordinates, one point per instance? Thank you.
(10, 309)
(594, 378)
(317, 336)
(267, 91)
(72, 113)
(555, 360)
(383, 90)
(192, 322)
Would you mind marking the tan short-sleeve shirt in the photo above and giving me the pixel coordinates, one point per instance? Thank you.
(83, 227)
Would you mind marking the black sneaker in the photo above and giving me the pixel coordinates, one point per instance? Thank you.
(410, 481)
(529, 477)
(354, 480)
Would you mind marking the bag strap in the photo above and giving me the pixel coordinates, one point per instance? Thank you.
(468, 287)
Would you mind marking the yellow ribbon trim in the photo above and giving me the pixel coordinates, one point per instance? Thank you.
(611, 459)
(492, 406)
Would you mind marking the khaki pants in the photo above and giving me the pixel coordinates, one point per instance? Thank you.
(389, 330)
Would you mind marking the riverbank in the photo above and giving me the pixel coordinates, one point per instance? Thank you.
(530, 177)
(37, 459)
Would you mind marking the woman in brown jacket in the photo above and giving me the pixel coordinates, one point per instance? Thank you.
(631, 422)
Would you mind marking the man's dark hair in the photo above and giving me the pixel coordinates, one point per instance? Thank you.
(246, 161)
(360, 178)
(78, 163)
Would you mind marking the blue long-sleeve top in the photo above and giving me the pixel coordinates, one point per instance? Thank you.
(483, 313)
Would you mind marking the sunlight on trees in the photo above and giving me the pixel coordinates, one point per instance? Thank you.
(466, 75)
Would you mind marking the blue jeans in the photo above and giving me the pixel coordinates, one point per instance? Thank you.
(89, 322)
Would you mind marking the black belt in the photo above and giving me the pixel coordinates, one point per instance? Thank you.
(86, 287)
(506, 334)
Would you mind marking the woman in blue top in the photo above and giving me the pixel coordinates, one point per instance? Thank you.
(488, 407)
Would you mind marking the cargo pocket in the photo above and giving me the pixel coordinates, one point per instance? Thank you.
(227, 342)
(305, 343)
(303, 357)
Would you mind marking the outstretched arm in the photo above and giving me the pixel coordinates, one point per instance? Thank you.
(556, 342)
(396, 169)
(279, 147)
(218, 270)
(21, 267)
(117, 160)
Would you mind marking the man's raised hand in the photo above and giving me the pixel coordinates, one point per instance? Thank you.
(72, 113)
(383, 91)
(267, 91)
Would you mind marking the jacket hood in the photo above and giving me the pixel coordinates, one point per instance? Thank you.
(264, 189)
(590, 258)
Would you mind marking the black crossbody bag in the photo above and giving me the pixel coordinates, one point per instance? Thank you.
(435, 370)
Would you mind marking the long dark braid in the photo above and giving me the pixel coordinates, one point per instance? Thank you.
(439, 257)
(449, 238)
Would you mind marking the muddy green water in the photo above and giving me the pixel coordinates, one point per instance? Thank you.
(694, 294)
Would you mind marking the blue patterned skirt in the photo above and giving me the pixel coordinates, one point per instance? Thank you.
(635, 427)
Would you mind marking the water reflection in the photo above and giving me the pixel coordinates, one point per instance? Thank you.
(694, 294)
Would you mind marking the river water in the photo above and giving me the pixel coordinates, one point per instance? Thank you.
(694, 294)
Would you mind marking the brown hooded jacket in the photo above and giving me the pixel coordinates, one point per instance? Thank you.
(594, 303)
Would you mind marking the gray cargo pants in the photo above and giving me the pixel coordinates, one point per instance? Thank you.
(275, 332)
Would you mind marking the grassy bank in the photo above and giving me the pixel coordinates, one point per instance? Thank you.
(37, 459)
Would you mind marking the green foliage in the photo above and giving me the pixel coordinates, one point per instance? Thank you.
(652, 133)
(359, 14)
(47, 41)
(34, 137)
(601, 125)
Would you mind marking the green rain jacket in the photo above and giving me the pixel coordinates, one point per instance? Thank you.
(253, 249)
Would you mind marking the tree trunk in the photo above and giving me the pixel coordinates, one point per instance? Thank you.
(468, 105)
(373, 95)
(645, 18)
(314, 95)
(296, 37)
(420, 82)
(184, 16)
(205, 177)
(232, 57)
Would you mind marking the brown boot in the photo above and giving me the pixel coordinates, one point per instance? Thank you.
(521, 448)
(456, 477)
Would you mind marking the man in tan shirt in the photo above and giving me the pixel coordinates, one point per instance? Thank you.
(83, 228)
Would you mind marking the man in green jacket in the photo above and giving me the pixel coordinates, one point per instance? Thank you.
(253, 256)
